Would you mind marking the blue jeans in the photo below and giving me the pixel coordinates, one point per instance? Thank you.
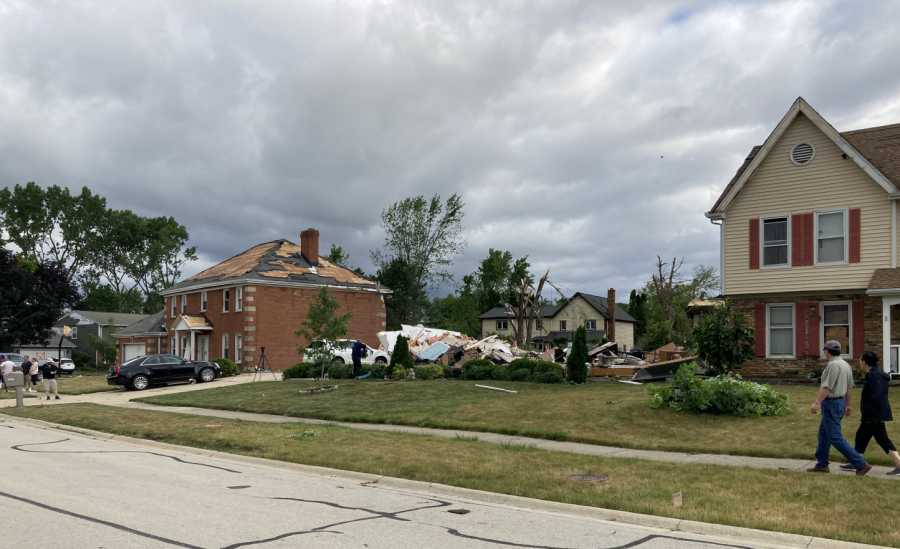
(830, 435)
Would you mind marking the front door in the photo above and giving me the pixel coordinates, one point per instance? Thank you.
(203, 348)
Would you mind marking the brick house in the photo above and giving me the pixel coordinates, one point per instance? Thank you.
(88, 323)
(808, 229)
(145, 337)
(258, 299)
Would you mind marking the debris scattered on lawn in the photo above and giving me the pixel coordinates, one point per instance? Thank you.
(587, 478)
(676, 499)
(459, 511)
(305, 434)
(497, 389)
(317, 390)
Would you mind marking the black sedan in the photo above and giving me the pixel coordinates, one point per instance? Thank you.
(143, 371)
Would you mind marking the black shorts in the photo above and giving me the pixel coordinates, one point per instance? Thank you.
(868, 430)
(35, 378)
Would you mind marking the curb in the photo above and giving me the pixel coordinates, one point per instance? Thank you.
(700, 531)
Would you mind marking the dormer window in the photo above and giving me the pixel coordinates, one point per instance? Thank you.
(775, 241)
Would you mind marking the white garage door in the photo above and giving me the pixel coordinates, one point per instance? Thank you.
(131, 350)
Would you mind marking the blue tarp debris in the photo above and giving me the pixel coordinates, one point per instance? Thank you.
(433, 351)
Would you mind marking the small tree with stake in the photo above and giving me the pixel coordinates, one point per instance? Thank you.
(401, 360)
(723, 340)
(578, 357)
(322, 325)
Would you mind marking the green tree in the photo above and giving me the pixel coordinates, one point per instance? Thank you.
(338, 255)
(102, 298)
(401, 360)
(424, 236)
(323, 325)
(724, 340)
(105, 345)
(52, 224)
(637, 308)
(408, 300)
(578, 357)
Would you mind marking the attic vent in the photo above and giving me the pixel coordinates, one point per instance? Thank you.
(802, 153)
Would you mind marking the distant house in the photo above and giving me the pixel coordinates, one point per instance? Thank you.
(100, 324)
(698, 308)
(147, 336)
(582, 309)
(45, 350)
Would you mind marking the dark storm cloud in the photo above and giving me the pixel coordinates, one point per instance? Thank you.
(589, 136)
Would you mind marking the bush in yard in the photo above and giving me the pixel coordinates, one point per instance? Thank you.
(723, 339)
(578, 357)
(430, 371)
(401, 361)
(520, 363)
(228, 367)
(81, 359)
(547, 366)
(548, 377)
(339, 370)
(500, 373)
(725, 394)
(448, 371)
(522, 374)
(476, 369)
(301, 370)
(378, 371)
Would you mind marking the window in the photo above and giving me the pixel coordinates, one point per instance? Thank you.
(226, 295)
(238, 347)
(174, 348)
(539, 325)
(836, 325)
(776, 242)
(501, 325)
(590, 324)
(184, 346)
(831, 246)
(238, 299)
(202, 301)
(184, 304)
(780, 339)
(74, 333)
(173, 306)
(562, 325)
(225, 346)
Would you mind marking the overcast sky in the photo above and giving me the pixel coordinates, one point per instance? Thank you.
(590, 136)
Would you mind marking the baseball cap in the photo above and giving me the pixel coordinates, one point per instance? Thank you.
(833, 345)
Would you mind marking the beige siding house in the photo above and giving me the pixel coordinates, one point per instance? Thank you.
(809, 242)
(586, 310)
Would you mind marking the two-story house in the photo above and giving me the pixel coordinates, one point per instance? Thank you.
(258, 299)
(808, 229)
(93, 323)
(582, 309)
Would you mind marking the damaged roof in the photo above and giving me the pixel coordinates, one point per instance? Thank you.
(503, 312)
(600, 303)
(279, 260)
(154, 324)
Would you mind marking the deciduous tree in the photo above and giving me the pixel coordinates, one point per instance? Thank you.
(724, 339)
(324, 325)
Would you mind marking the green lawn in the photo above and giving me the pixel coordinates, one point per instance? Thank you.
(81, 385)
(846, 508)
(601, 413)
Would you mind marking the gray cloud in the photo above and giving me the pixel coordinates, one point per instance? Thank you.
(590, 136)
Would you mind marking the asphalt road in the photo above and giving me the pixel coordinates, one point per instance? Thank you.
(66, 490)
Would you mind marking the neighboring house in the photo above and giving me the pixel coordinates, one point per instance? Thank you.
(808, 231)
(698, 308)
(586, 310)
(259, 298)
(145, 337)
(43, 351)
(100, 324)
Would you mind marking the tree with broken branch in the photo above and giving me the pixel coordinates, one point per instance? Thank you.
(322, 329)
(527, 309)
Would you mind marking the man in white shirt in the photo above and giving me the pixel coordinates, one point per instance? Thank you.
(6, 367)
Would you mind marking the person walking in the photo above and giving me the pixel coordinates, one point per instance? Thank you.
(35, 375)
(26, 375)
(834, 402)
(875, 410)
(359, 351)
(49, 370)
(6, 368)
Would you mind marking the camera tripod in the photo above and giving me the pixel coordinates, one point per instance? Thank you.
(262, 367)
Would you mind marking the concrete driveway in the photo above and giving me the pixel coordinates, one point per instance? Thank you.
(63, 489)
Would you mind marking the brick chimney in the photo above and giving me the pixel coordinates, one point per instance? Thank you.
(309, 245)
(611, 307)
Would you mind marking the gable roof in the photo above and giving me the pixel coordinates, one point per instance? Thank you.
(872, 149)
(154, 324)
(278, 262)
(601, 304)
(52, 343)
(104, 319)
(502, 312)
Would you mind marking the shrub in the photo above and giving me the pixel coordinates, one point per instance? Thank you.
(301, 370)
(726, 394)
(521, 363)
(548, 377)
(522, 374)
(228, 367)
(500, 373)
(724, 339)
(547, 366)
(401, 361)
(430, 371)
(578, 357)
(339, 370)
(476, 369)
(448, 371)
(378, 371)
(81, 359)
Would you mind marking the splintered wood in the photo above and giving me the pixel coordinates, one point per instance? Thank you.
(330, 270)
(237, 265)
(288, 249)
(289, 269)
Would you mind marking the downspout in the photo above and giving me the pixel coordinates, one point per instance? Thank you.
(893, 234)
(720, 217)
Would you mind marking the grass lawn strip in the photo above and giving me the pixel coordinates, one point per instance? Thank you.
(81, 385)
(846, 508)
(608, 414)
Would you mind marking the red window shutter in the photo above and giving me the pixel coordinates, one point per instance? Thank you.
(761, 330)
(800, 330)
(859, 324)
(754, 243)
(796, 240)
(812, 331)
(855, 238)
(809, 239)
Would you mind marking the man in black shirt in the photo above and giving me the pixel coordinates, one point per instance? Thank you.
(359, 351)
(49, 370)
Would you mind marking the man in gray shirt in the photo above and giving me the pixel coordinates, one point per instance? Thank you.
(834, 401)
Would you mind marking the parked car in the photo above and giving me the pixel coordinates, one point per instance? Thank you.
(141, 372)
(65, 365)
(344, 350)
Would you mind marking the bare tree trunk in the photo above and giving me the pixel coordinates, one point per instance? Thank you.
(535, 307)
